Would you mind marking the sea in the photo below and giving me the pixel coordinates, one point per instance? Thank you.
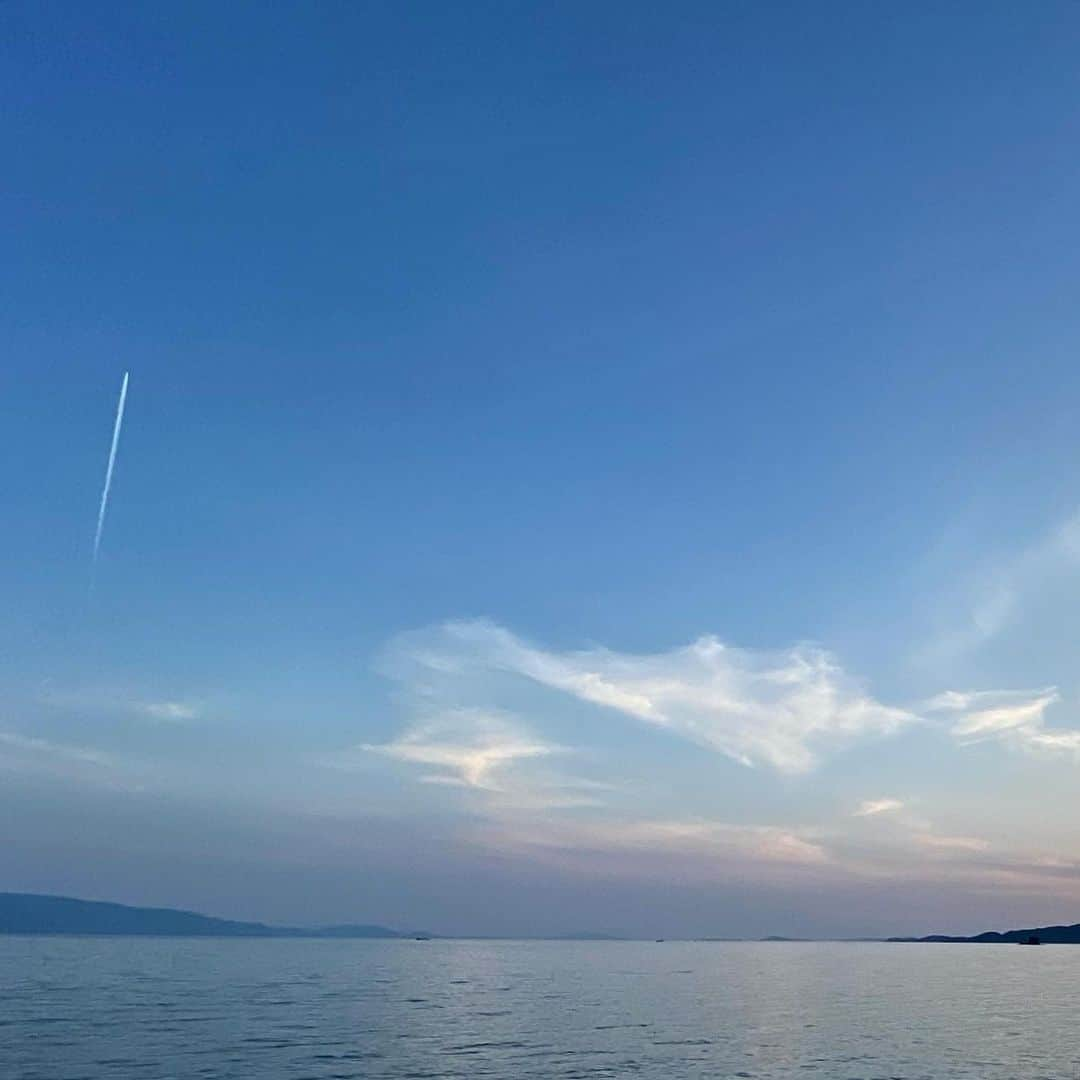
(203, 1009)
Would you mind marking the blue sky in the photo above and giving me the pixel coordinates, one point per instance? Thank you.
(585, 466)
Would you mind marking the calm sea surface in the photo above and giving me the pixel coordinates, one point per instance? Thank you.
(123, 1008)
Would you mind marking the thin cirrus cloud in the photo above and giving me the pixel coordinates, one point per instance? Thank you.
(951, 843)
(29, 754)
(780, 709)
(170, 711)
(1016, 718)
(872, 807)
(106, 701)
(783, 710)
(715, 851)
(694, 849)
(46, 760)
(487, 752)
(894, 826)
(469, 747)
(768, 843)
(995, 596)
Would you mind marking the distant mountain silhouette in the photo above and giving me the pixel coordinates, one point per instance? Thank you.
(1047, 935)
(32, 913)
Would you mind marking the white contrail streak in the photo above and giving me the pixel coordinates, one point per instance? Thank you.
(109, 470)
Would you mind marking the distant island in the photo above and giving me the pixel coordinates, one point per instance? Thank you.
(42, 914)
(588, 935)
(33, 913)
(1038, 935)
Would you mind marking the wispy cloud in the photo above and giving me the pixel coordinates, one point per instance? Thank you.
(177, 711)
(871, 807)
(685, 850)
(27, 747)
(778, 708)
(717, 851)
(951, 843)
(897, 832)
(485, 751)
(1014, 717)
(471, 747)
(766, 842)
(781, 709)
(988, 601)
(116, 703)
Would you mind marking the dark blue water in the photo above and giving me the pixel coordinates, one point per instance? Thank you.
(178, 1009)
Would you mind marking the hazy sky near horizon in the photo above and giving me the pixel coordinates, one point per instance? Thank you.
(586, 466)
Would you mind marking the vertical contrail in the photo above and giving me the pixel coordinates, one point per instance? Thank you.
(109, 470)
